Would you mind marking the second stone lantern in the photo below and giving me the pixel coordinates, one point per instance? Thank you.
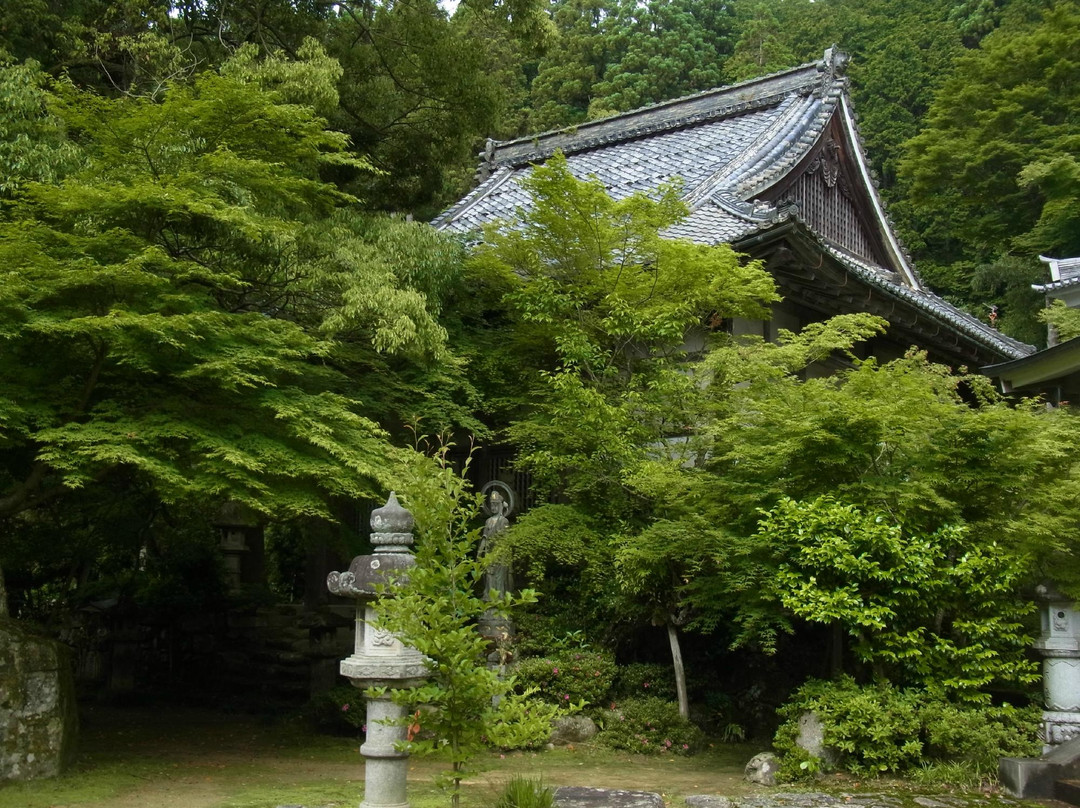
(1059, 645)
(380, 659)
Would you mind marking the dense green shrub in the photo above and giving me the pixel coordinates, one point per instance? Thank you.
(874, 728)
(881, 728)
(640, 679)
(554, 630)
(523, 722)
(568, 678)
(649, 726)
(978, 736)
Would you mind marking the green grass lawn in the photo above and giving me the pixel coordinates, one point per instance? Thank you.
(192, 759)
(199, 759)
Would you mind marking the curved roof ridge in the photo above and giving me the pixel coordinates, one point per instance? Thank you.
(700, 194)
(785, 149)
(823, 77)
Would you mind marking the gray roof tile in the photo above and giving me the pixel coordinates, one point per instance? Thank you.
(930, 303)
(726, 146)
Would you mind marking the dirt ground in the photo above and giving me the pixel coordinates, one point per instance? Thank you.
(145, 758)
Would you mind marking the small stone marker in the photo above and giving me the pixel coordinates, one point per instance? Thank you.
(572, 729)
(812, 739)
(762, 769)
(582, 797)
(38, 715)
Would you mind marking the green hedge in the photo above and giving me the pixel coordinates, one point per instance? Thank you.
(651, 726)
(878, 728)
(568, 678)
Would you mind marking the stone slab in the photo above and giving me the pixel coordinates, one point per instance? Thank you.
(1029, 778)
(572, 729)
(707, 801)
(810, 799)
(1033, 778)
(584, 797)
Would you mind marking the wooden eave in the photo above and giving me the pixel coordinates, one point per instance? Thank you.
(1054, 372)
(819, 282)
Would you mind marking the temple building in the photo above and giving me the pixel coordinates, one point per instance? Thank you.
(1054, 373)
(775, 168)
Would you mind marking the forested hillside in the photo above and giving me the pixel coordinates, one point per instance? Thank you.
(980, 180)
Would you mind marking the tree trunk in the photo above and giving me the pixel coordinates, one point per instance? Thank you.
(3, 595)
(456, 766)
(680, 674)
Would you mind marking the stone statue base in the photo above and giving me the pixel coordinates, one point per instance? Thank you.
(1058, 727)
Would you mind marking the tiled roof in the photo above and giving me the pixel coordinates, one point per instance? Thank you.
(726, 146)
(711, 223)
(1062, 269)
(1065, 274)
(1056, 286)
(729, 142)
(941, 310)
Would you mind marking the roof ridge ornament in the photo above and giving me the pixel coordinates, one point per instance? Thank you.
(835, 62)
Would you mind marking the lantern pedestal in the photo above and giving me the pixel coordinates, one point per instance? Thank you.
(1059, 645)
(380, 659)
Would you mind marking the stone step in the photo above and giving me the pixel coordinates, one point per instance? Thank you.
(581, 797)
(1067, 791)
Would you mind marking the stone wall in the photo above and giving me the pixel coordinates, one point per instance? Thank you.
(38, 715)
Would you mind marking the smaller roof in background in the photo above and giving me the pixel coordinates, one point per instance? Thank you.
(1064, 274)
(1053, 373)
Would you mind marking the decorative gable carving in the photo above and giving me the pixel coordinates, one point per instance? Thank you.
(824, 203)
(830, 200)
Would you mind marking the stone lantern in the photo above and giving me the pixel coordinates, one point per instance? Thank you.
(379, 659)
(1059, 645)
(241, 543)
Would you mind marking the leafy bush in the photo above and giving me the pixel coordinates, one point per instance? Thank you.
(552, 632)
(524, 792)
(640, 679)
(880, 728)
(522, 722)
(650, 726)
(934, 610)
(798, 764)
(875, 728)
(568, 678)
(979, 736)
